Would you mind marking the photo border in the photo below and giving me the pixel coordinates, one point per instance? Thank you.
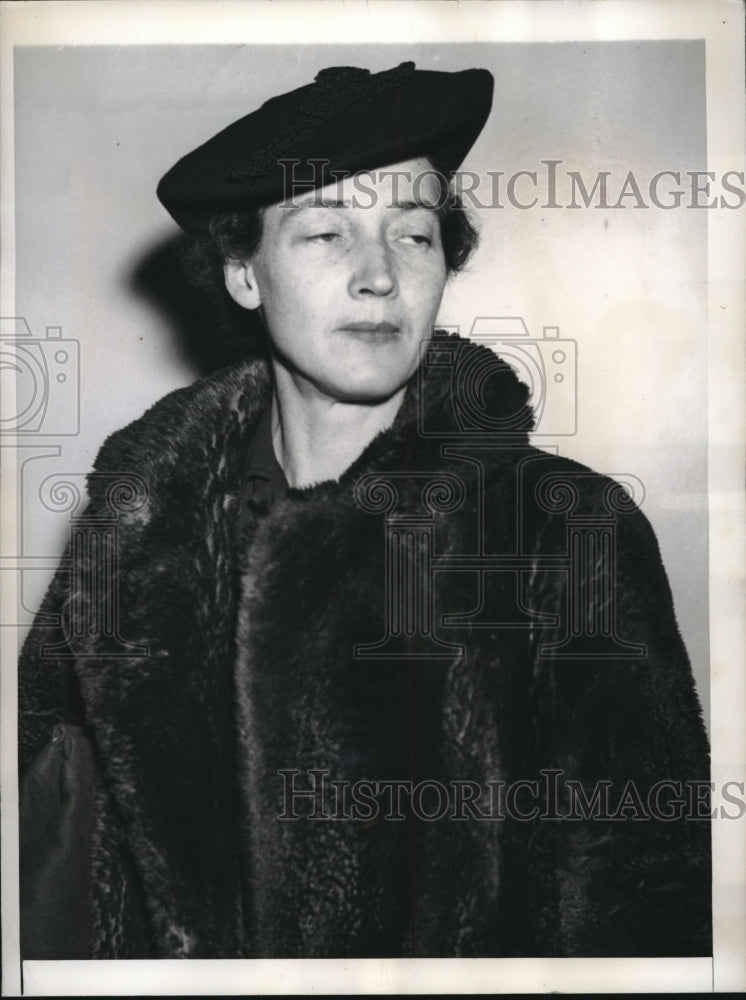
(720, 23)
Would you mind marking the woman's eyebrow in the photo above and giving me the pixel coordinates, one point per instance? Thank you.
(320, 203)
(292, 210)
(412, 205)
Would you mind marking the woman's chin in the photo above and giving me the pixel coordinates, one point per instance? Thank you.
(369, 391)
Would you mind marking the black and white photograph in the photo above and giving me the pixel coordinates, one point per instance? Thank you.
(372, 450)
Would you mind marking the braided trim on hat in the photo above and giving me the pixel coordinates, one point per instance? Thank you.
(337, 89)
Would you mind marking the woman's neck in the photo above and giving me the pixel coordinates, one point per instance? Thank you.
(316, 438)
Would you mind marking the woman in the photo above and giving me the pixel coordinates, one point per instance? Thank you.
(384, 679)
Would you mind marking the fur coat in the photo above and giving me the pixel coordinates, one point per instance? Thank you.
(435, 619)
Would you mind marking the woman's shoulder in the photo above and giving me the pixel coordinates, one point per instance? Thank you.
(552, 489)
(185, 419)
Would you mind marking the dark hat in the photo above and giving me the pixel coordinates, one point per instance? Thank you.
(347, 120)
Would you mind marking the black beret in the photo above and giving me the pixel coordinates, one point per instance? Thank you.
(347, 120)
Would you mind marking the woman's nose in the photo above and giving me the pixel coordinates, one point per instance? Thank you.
(373, 270)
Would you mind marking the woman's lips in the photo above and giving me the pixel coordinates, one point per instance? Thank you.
(371, 332)
(369, 327)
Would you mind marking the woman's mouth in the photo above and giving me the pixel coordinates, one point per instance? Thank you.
(371, 332)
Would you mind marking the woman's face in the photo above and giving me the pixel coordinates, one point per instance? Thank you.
(350, 278)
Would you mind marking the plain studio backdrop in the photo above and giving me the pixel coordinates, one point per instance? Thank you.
(96, 127)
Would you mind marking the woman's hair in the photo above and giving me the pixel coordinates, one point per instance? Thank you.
(236, 235)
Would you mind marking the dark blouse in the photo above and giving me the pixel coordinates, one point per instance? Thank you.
(265, 481)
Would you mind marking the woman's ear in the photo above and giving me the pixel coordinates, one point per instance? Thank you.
(241, 284)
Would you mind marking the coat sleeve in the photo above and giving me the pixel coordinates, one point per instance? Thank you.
(64, 805)
(48, 691)
(56, 792)
(633, 876)
(56, 819)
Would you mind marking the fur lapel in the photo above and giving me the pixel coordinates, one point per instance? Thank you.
(161, 721)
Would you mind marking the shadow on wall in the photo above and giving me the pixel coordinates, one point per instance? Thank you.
(209, 329)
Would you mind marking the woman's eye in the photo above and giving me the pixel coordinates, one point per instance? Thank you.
(416, 239)
(323, 237)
